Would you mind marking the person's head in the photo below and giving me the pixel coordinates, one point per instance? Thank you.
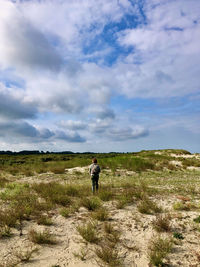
(94, 160)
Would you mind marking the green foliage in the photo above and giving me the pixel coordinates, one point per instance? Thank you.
(88, 232)
(65, 212)
(178, 235)
(53, 192)
(184, 206)
(42, 237)
(5, 231)
(158, 249)
(105, 195)
(44, 220)
(91, 203)
(108, 255)
(100, 214)
(147, 206)
(197, 220)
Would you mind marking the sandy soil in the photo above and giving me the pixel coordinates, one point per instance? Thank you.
(136, 233)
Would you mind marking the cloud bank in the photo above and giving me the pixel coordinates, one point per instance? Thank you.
(98, 72)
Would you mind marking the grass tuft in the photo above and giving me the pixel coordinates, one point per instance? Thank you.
(88, 232)
(158, 249)
(92, 203)
(162, 223)
(42, 237)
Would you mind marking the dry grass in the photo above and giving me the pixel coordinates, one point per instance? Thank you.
(88, 232)
(148, 206)
(162, 223)
(158, 249)
(92, 203)
(42, 237)
(100, 214)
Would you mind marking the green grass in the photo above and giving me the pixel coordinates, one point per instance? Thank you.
(43, 237)
(88, 232)
(92, 203)
(158, 249)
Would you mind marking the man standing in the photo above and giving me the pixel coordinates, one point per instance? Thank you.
(94, 171)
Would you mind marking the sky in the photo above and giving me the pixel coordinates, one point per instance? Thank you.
(99, 75)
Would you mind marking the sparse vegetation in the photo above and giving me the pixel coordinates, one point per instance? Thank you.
(162, 223)
(101, 214)
(159, 248)
(138, 182)
(88, 232)
(42, 237)
(91, 203)
(147, 206)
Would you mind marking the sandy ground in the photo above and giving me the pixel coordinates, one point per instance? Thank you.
(136, 233)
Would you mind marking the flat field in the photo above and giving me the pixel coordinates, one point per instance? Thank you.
(146, 213)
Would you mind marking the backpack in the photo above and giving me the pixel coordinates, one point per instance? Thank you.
(95, 170)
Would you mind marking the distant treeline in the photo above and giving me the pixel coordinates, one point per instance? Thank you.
(33, 152)
(37, 152)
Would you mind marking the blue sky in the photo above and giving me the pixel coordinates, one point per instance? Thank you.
(97, 75)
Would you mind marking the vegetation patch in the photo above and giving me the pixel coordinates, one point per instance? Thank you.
(42, 237)
(158, 249)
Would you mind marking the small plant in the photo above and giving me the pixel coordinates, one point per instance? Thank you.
(108, 228)
(65, 212)
(44, 220)
(101, 214)
(178, 235)
(57, 170)
(105, 195)
(112, 235)
(184, 206)
(158, 250)
(91, 204)
(5, 231)
(122, 202)
(72, 190)
(108, 255)
(25, 256)
(82, 255)
(162, 223)
(197, 220)
(41, 237)
(88, 232)
(147, 206)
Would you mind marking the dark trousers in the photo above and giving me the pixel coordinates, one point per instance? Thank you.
(95, 184)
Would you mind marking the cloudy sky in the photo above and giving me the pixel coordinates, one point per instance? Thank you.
(99, 75)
